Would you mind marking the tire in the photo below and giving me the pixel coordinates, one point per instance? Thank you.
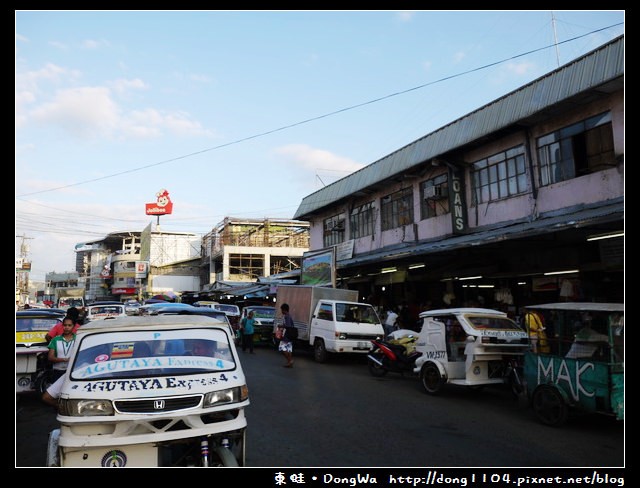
(515, 384)
(550, 406)
(374, 368)
(320, 353)
(44, 382)
(432, 380)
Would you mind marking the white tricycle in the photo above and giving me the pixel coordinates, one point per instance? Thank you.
(468, 346)
(165, 390)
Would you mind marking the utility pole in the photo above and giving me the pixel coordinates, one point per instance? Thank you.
(23, 267)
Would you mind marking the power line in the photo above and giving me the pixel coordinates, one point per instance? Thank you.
(320, 117)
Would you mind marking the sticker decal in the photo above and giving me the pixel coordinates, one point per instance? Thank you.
(114, 459)
(122, 350)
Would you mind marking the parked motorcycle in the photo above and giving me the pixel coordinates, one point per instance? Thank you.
(398, 356)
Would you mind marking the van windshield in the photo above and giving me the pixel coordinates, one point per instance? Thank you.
(359, 313)
(152, 353)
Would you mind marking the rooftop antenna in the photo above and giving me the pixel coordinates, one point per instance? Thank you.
(555, 36)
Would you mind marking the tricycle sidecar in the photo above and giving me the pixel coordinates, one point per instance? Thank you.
(31, 348)
(467, 346)
(577, 364)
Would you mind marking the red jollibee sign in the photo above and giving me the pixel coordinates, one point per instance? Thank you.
(163, 205)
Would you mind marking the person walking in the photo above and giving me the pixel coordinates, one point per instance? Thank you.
(247, 332)
(286, 344)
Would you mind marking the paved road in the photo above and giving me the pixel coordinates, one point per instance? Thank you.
(338, 415)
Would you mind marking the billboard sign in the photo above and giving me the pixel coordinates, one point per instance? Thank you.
(162, 206)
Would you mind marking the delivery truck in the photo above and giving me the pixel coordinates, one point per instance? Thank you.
(67, 297)
(330, 320)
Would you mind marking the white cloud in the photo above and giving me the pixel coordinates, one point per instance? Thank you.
(91, 44)
(302, 155)
(404, 16)
(123, 86)
(86, 111)
(57, 44)
(308, 164)
(92, 111)
(521, 68)
(459, 56)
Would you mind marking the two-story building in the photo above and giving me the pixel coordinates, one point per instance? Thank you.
(500, 207)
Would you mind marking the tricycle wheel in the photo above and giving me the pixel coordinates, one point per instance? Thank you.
(45, 381)
(549, 406)
(374, 368)
(431, 379)
(515, 384)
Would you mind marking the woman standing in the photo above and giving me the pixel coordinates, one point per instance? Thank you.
(60, 347)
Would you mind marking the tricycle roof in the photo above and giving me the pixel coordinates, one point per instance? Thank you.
(580, 306)
(450, 311)
(151, 321)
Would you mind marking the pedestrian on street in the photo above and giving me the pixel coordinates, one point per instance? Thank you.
(286, 345)
(247, 332)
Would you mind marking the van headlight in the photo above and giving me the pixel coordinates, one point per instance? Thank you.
(228, 395)
(85, 408)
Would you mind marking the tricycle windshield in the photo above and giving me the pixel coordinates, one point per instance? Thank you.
(496, 323)
(152, 353)
(353, 312)
(263, 313)
(29, 324)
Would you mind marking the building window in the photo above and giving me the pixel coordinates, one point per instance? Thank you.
(434, 197)
(283, 264)
(246, 266)
(500, 176)
(576, 150)
(397, 209)
(334, 229)
(361, 220)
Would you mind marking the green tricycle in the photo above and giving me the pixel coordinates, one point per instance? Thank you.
(576, 360)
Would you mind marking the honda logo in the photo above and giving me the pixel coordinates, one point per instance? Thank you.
(158, 404)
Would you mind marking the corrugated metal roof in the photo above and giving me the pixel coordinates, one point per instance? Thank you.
(594, 69)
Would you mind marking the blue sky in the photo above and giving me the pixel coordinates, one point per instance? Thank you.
(241, 113)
